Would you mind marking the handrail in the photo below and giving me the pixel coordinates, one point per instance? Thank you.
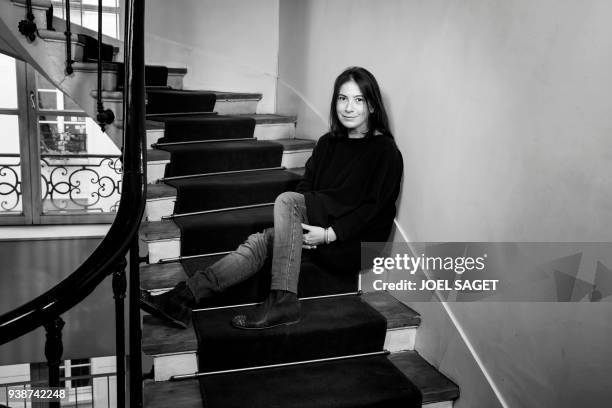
(68, 35)
(111, 251)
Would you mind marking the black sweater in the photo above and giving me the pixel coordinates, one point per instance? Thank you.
(351, 185)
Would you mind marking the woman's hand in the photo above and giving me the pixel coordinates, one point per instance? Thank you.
(313, 237)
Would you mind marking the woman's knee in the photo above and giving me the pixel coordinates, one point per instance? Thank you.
(288, 198)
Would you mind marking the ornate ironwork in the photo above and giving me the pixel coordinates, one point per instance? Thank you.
(80, 183)
(28, 27)
(10, 183)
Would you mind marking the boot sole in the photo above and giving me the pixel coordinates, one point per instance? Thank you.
(153, 311)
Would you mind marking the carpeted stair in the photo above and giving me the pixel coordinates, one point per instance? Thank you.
(222, 181)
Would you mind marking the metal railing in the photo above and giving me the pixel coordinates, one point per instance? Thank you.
(99, 394)
(110, 255)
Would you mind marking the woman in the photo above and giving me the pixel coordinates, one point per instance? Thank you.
(347, 196)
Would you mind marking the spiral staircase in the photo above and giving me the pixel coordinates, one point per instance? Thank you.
(214, 166)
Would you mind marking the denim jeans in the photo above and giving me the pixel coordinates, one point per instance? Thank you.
(284, 241)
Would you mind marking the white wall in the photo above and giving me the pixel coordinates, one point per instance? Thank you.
(229, 45)
(502, 113)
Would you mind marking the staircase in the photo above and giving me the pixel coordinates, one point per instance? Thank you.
(214, 168)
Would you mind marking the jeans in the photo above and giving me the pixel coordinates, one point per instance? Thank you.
(284, 240)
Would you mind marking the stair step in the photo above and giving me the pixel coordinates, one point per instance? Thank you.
(167, 344)
(329, 327)
(175, 77)
(221, 156)
(227, 190)
(234, 103)
(435, 387)
(169, 101)
(267, 126)
(437, 390)
(110, 71)
(295, 154)
(77, 45)
(163, 238)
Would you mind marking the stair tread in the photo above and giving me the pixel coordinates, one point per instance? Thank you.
(260, 119)
(434, 386)
(270, 118)
(53, 35)
(398, 315)
(158, 338)
(161, 276)
(296, 144)
(93, 66)
(223, 95)
(159, 230)
(288, 145)
(227, 95)
(162, 190)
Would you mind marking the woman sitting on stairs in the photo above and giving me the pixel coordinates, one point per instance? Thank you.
(347, 196)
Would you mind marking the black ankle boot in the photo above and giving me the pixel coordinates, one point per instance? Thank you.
(173, 306)
(281, 307)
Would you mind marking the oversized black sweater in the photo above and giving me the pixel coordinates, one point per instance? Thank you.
(351, 185)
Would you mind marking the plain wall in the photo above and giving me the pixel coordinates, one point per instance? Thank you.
(90, 326)
(229, 45)
(502, 113)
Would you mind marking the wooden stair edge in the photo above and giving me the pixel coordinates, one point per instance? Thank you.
(434, 386)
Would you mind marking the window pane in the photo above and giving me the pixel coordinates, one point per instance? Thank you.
(48, 100)
(51, 98)
(109, 22)
(8, 82)
(105, 3)
(80, 167)
(11, 201)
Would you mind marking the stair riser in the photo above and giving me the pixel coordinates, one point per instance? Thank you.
(236, 107)
(186, 363)
(109, 79)
(158, 208)
(169, 248)
(175, 81)
(291, 159)
(56, 46)
(262, 132)
(275, 131)
(174, 364)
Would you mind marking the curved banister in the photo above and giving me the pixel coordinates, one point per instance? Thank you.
(110, 253)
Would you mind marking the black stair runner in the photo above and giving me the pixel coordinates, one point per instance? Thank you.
(207, 157)
(165, 101)
(90, 52)
(365, 382)
(331, 327)
(231, 190)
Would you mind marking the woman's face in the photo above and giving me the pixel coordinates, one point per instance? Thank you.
(352, 108)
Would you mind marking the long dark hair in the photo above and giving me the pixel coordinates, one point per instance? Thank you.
(377, 120)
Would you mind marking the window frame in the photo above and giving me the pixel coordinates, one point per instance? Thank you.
(28, 114)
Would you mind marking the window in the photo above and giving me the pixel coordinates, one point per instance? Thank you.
(75, 377)
(85, 13)
(56, 165)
